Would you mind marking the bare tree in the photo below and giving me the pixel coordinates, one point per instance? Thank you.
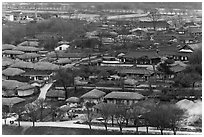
(41, 104)
(19, 111)
(106, 111)
(90, 115)
(31, 110)
(120, 115)
(155, 16)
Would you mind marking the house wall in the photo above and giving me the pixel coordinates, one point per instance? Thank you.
(119, 101)
(62, 47)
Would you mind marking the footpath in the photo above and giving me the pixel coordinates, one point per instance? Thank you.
(71, 124)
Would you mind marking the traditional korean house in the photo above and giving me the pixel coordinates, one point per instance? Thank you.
(127, 98)
(12, 53)
(94, 96)
(142, 57)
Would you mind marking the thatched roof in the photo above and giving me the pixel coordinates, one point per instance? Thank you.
(8, 93)
(12, 84)
(7, 46)
(29, 43)
(22, 64)
(6, 63)
(13, 52)
(11, 101)
(73, 100)
(7, 59)
(124, 95)
(28, 56)
(63, 61)
(94, 94)
(27, 48)
(12, 72)
(56, 93)
(65, 108)
(25, 87)
(177, 68)
(68, 66)
(45, 66)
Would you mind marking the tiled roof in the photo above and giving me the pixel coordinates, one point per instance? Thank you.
(142, 71)
(141, 53)
(124, 95)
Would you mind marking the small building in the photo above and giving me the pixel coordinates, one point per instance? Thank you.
(36, 75)
(141, 72)
(149, 25)
(29, 57)
(26, 90)
(11, 53)
(142, 57)
(62, 47)
(127, 98)
(54, 94)
(94, 96)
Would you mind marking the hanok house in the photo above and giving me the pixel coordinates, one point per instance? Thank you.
(62, 47)
(54, 94)
(37, 75)
(195, 31)
(11, 53)
(73, 101)
(136, 72)
(186, 39)
(94, 96)
(15, 88)
(7, 47)
(149, 25)
(172, 52)
(140, 33)
(143, 57)
(12, 73)
(26, 66)
(29, 57)
(27, 49)
(62, 54)
(26, 90)
(127, 98)
(30, 43)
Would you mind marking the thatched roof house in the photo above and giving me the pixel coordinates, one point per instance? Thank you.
(8, 46)
(45, 66)
(12, 72)
(73, 100)
(93, 94)
(12, 101)
(23, 65)
(12, 52)
(27, 49)
(12, 84)
(28, 56)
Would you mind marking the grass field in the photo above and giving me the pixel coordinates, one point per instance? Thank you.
(13, 130)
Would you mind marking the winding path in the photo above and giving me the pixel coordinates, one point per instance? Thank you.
(44, 89)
